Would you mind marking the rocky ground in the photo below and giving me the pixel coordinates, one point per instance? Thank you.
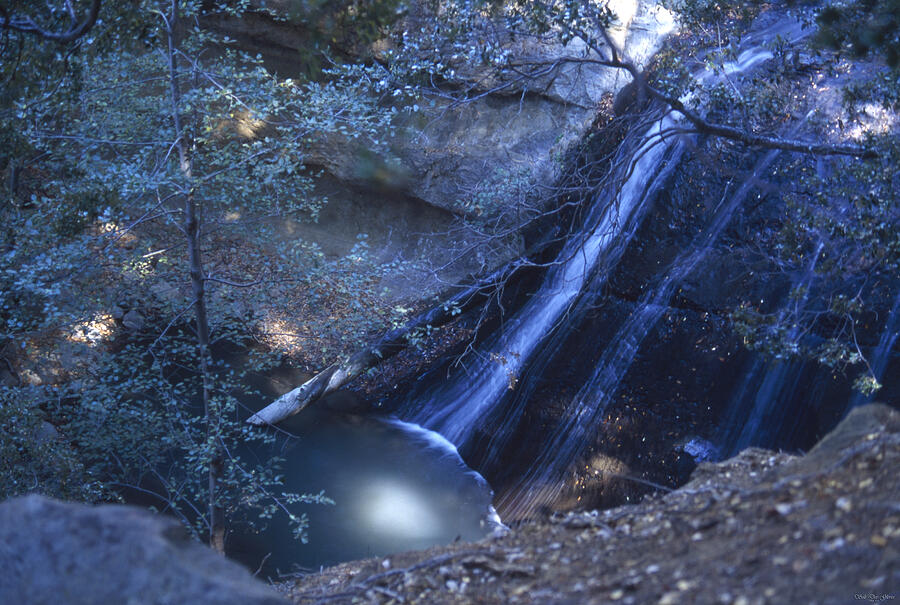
(762, 527)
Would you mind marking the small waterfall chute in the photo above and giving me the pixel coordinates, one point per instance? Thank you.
(462, 405)
(763, 400)
(881, 355)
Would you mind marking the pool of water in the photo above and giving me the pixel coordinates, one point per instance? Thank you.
(395, 486)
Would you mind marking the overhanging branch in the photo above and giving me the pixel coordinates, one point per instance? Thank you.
(338, 374)
(752, 139)
(701, 124)
(615, 59)
(26, 25)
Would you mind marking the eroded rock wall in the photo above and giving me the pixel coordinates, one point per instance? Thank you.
(446, 153)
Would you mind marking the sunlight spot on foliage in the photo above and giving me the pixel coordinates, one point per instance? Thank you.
(281, 334)
(100, 328)
(248, 125)
(873, 119)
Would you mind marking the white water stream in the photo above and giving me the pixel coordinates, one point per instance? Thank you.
(461, 406)
(457, 409)
(587, 410)
(880, 357)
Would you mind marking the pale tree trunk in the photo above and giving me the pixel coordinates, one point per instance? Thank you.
(195, 260)
(339, 374)
(13, 179)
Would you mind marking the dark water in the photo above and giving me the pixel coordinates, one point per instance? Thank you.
(395, 487)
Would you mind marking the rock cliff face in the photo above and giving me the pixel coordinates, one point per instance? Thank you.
(761, 527)
(447, 153)
(58, 553)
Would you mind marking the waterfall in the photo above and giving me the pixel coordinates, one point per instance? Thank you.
(587, 410)
(881, 355)
(456, 409)
(764, 398)
(468, 401)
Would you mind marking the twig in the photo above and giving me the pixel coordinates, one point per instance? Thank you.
(26, 24)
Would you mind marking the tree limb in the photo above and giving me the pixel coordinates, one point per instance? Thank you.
(338, 374)
(701, 124)
(752, 139)
(26, 24)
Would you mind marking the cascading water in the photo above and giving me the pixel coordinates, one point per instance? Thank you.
(463, 404)
(881, 355)
(762, 401)
(586, 412)
(456, 408)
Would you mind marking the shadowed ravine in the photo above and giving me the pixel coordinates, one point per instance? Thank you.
(482, 394)
(483, 403)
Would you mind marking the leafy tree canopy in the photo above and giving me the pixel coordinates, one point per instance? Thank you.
(863, 27)
(144, 136)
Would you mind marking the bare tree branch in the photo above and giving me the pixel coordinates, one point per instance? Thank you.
(26, 25)
(338, 374)
(701, 124)
(757, 140)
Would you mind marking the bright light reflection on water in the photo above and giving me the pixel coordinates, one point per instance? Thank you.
(398, 510)
(396, 487)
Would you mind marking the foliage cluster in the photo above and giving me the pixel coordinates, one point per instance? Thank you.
(844, 218)
(96, 224)
(863, 27)
(715, 19)
(34, 457)
(139, 425)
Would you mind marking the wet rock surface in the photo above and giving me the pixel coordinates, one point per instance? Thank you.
(762, 527)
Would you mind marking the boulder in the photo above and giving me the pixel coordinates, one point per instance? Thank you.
(453, 151)
(57, 552)
(860, 426)
(444, 160)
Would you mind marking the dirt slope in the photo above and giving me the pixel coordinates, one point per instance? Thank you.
(759, 528)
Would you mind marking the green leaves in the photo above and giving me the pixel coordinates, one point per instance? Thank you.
(96, 228)
(850, 211)
(862, 27)
(34, 457)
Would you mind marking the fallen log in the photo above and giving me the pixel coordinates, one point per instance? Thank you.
(337, 375)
